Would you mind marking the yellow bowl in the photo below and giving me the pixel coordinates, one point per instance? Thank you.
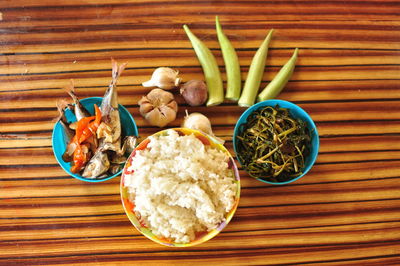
(201, 237)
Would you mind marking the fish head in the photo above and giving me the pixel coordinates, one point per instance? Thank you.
(98, 165)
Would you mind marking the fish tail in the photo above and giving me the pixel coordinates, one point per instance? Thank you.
(116, 70)
(71, 91)
(61, 104)
(79, 109)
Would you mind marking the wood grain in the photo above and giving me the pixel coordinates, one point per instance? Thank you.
(344, 212)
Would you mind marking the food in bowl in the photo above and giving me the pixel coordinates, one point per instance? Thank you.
(273, 145)
(94, 144)
(180, 186)
(59, 142)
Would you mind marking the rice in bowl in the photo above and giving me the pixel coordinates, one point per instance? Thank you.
(179, 186)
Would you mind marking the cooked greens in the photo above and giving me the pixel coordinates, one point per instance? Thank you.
(272, 145)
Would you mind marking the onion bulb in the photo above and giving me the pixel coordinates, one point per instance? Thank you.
(194, 92)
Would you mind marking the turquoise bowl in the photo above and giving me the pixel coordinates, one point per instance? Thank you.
(128, 124)
(296, 112)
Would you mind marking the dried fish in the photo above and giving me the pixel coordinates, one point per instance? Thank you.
(61, 107)
(97, 165)
(68, 133)
(129, 144)
(103, 141)
(116, 158)
(109, 105)
(79, 110)
(114, 168)
(111, 146)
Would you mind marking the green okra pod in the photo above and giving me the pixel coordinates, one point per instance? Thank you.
(280, 80)
(210, 68)
(232, 67)
(256, 71)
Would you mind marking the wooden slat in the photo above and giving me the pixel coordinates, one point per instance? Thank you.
(34, 64)
(268, 239)
(296, 91)
(80, 252)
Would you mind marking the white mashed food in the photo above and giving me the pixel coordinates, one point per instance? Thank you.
(180, 186)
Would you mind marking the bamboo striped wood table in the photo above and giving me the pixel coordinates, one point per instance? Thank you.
(345, 211)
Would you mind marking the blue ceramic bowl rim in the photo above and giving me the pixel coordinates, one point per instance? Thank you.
(291, 106)
(79, 177)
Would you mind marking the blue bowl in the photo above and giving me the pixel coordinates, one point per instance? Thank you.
(296, 112)
(128, 125)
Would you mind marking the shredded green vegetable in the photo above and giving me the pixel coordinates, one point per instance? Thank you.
(272, 145)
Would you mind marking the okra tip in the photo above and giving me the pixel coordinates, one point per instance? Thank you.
(271, 31)
(296, 52)
(294, 56)
(188, 32)
(267, 39)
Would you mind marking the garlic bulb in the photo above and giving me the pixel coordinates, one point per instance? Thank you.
(200, 122)
(158, 107)
(163, 77)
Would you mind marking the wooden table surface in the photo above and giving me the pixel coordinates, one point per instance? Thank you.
(346, 211)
